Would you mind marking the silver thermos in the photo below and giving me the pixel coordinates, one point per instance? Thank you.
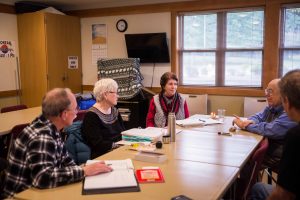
(172, 126)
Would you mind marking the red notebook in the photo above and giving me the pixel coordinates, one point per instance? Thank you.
(149, 176)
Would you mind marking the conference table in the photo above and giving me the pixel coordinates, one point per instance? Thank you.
(201, 165)
(9, 119)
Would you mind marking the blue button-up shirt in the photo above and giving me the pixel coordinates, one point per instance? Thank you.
(275, 129)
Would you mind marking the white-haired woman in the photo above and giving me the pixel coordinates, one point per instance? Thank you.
(102, 124)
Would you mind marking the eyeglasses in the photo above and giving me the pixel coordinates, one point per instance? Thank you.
(268, 92)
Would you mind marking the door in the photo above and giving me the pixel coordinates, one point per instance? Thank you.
(63, 40)
(31, 36)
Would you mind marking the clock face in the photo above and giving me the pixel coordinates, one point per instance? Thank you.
(121, 25)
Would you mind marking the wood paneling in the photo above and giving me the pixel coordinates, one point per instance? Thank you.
(46, 40)
(32, 48)
(166, 7)
(87, 87)
(8, 93)
(7, 9)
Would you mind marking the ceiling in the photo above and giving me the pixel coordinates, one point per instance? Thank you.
(65, 5)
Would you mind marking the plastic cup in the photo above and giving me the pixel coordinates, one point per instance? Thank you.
(221, 114)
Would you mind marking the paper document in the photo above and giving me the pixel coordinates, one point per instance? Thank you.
(197, 120)
(121, 176)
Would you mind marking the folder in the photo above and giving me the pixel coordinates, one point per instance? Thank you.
(121, 179)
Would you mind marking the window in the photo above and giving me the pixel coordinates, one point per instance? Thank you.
(221, 48)
(290, 39)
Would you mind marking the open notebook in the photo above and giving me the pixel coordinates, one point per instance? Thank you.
(121, 179)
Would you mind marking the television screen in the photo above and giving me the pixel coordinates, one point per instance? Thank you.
(149, 47)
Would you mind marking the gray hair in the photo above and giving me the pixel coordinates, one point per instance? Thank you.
(102, 86)
(55, 102)
(290, 87)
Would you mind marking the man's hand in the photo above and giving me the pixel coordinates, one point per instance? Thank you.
(96, 168)
(242, 123)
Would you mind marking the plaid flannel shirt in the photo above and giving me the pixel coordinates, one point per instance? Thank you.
(39, 159)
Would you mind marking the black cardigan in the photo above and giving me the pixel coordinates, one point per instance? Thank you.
(99, 135)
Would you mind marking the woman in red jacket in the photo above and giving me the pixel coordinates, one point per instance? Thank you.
(168, 100)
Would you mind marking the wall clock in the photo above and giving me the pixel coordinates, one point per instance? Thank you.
(122, 25)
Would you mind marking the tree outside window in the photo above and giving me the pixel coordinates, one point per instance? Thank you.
(221, 48)
(290, 39)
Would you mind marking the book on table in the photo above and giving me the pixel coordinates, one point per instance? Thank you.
(150, 134)
(121, 179)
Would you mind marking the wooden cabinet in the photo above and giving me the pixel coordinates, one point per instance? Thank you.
(46, 41)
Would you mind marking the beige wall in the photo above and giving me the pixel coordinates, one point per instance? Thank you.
(8, 66)
(232, 104)
(116, 47)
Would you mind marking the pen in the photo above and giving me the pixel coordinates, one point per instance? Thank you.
(236, 116)
(201, 120)
(224, 133)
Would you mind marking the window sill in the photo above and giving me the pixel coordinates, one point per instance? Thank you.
(226, 91)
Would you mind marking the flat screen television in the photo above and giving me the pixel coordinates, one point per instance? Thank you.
(149, 47)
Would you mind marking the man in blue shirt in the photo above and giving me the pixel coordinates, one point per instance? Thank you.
(272, 123)
(288, 184)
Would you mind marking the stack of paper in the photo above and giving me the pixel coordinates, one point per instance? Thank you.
(150, 134)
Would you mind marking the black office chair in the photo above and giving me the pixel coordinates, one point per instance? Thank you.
(15, 131)
(3, 166)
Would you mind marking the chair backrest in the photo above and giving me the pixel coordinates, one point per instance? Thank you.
(14, 133)
(255, 165)
(80, 115)
(197, 104)
(75, 144)
(253, 105)
(13, 108)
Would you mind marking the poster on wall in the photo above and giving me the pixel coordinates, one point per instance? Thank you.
(7, 49)
(73, 62)
(99, 42)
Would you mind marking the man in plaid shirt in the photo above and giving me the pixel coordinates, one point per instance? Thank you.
(38, 157)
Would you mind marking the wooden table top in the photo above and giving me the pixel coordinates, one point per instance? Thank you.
(201, 165)
(9, 119)
(194, 179)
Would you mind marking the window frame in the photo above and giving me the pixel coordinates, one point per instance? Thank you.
(221, 49)
(282, 47)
